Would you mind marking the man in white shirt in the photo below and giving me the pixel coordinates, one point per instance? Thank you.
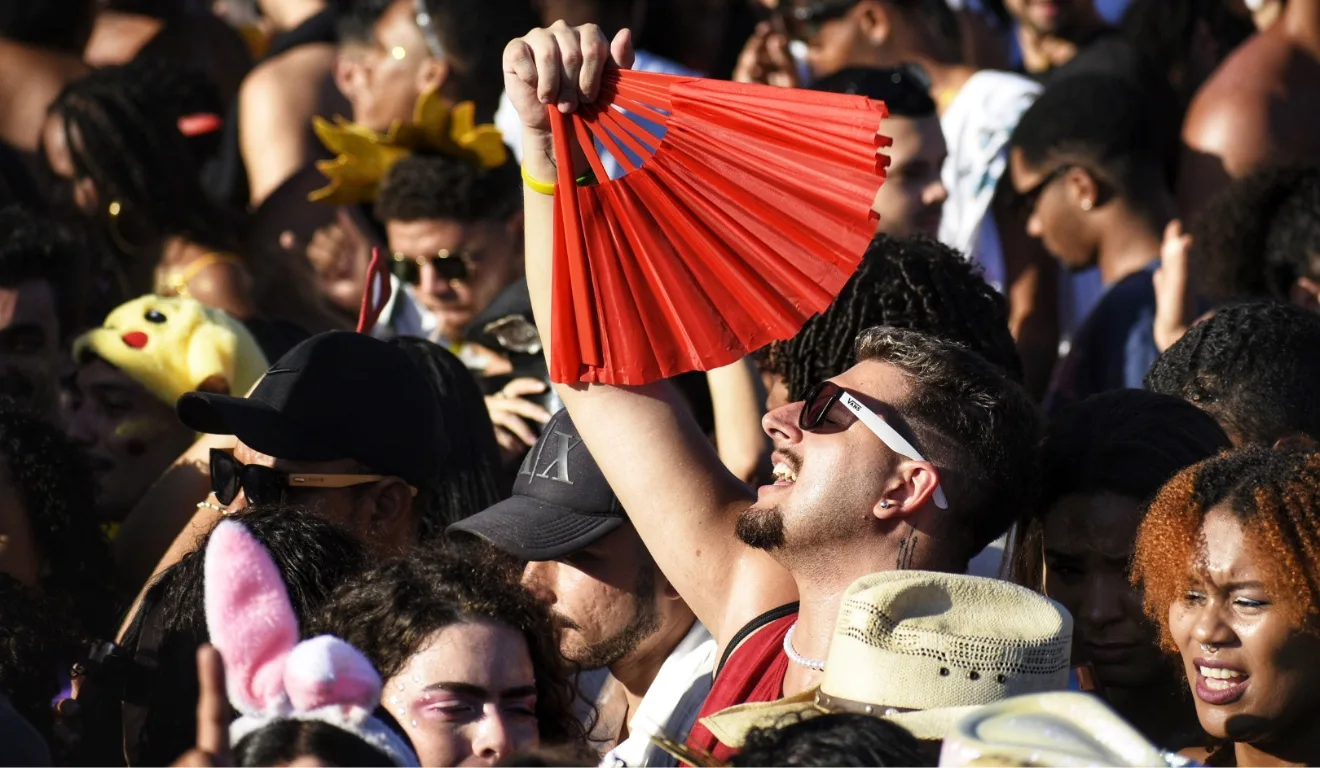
(618, 611)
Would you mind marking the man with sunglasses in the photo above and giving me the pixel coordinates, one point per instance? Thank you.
(344, 425)
(975, 110)
(916, 457)
(1089, 173)
(449, 46)
(455, 242)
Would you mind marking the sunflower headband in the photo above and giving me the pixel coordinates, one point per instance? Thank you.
(363, 156)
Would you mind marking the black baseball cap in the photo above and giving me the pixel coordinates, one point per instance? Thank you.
(337, 395)
(560, 504)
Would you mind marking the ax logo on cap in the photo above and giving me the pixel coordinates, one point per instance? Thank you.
(564, 444)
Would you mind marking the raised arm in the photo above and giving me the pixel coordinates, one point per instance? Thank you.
(668, 476)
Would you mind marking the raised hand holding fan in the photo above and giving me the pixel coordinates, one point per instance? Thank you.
(730, 232)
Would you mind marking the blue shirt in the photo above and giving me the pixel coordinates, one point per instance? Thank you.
(1115, 345)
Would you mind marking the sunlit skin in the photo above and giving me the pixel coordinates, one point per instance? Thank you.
(1055, 213)
(1229, 622)
(776, 391)
(615, 610)
(468, 697)
(837, 44)
(395, 72)
(591, 592)
(369, 511)
(912, 197)
(492, 250)
(129, 435)
(822, 463)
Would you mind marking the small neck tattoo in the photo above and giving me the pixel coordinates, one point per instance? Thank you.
(798, 658)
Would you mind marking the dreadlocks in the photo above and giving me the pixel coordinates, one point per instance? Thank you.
(1273, 493)
(914, 284)
(122, 125)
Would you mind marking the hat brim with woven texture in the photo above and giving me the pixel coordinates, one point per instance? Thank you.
(732, 725)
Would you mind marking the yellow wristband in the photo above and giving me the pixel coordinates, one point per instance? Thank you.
(546, 188)
(536, 185)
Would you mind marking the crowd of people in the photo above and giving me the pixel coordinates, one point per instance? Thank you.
(285, 480)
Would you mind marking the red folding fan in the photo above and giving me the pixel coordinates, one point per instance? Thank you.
(730, 232)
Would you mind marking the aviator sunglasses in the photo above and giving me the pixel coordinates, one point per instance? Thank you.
(449, 267)
(263, 485)
(826, 395)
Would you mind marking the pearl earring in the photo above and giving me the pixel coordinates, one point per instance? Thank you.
(1086, 205)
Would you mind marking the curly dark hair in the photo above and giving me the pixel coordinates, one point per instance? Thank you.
(468, 481)
(314, 557)
(1101, 123)
(33, 644)
(1251, 366)
(1259, 235)
(1128, 442)
(390, 612)
(978, 427)
(54, 485)
(435, 186)
(123, 134)
(914, 283)
(841, 739)
(1275, 495)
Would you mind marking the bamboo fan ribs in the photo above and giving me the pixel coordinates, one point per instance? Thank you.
(730, 232)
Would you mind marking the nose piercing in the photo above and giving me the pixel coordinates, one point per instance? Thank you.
(1209, 648)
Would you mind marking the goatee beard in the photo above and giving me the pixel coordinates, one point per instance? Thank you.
(761, 528)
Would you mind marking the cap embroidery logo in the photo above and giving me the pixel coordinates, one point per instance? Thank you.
(563, 445)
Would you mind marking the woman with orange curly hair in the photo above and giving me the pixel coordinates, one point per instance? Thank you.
(1229, 557)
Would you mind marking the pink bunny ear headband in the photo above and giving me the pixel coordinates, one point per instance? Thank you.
(269, 674)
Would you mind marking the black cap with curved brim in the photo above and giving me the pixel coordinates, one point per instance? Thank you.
(561, 502)
(337, 395)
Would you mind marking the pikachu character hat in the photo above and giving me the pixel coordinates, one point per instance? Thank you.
(173, 346)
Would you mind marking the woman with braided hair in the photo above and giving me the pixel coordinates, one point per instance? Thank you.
(1229, 558)
(122, 141)
(912, 283)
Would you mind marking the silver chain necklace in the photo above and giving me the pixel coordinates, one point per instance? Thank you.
(798, 658)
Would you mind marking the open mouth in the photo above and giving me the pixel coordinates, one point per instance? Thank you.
(1218, 683)
(784, 474)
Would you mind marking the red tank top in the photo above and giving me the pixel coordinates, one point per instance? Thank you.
(754, 673)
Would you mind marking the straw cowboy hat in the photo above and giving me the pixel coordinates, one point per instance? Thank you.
(1056, 729)
(923, 650)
